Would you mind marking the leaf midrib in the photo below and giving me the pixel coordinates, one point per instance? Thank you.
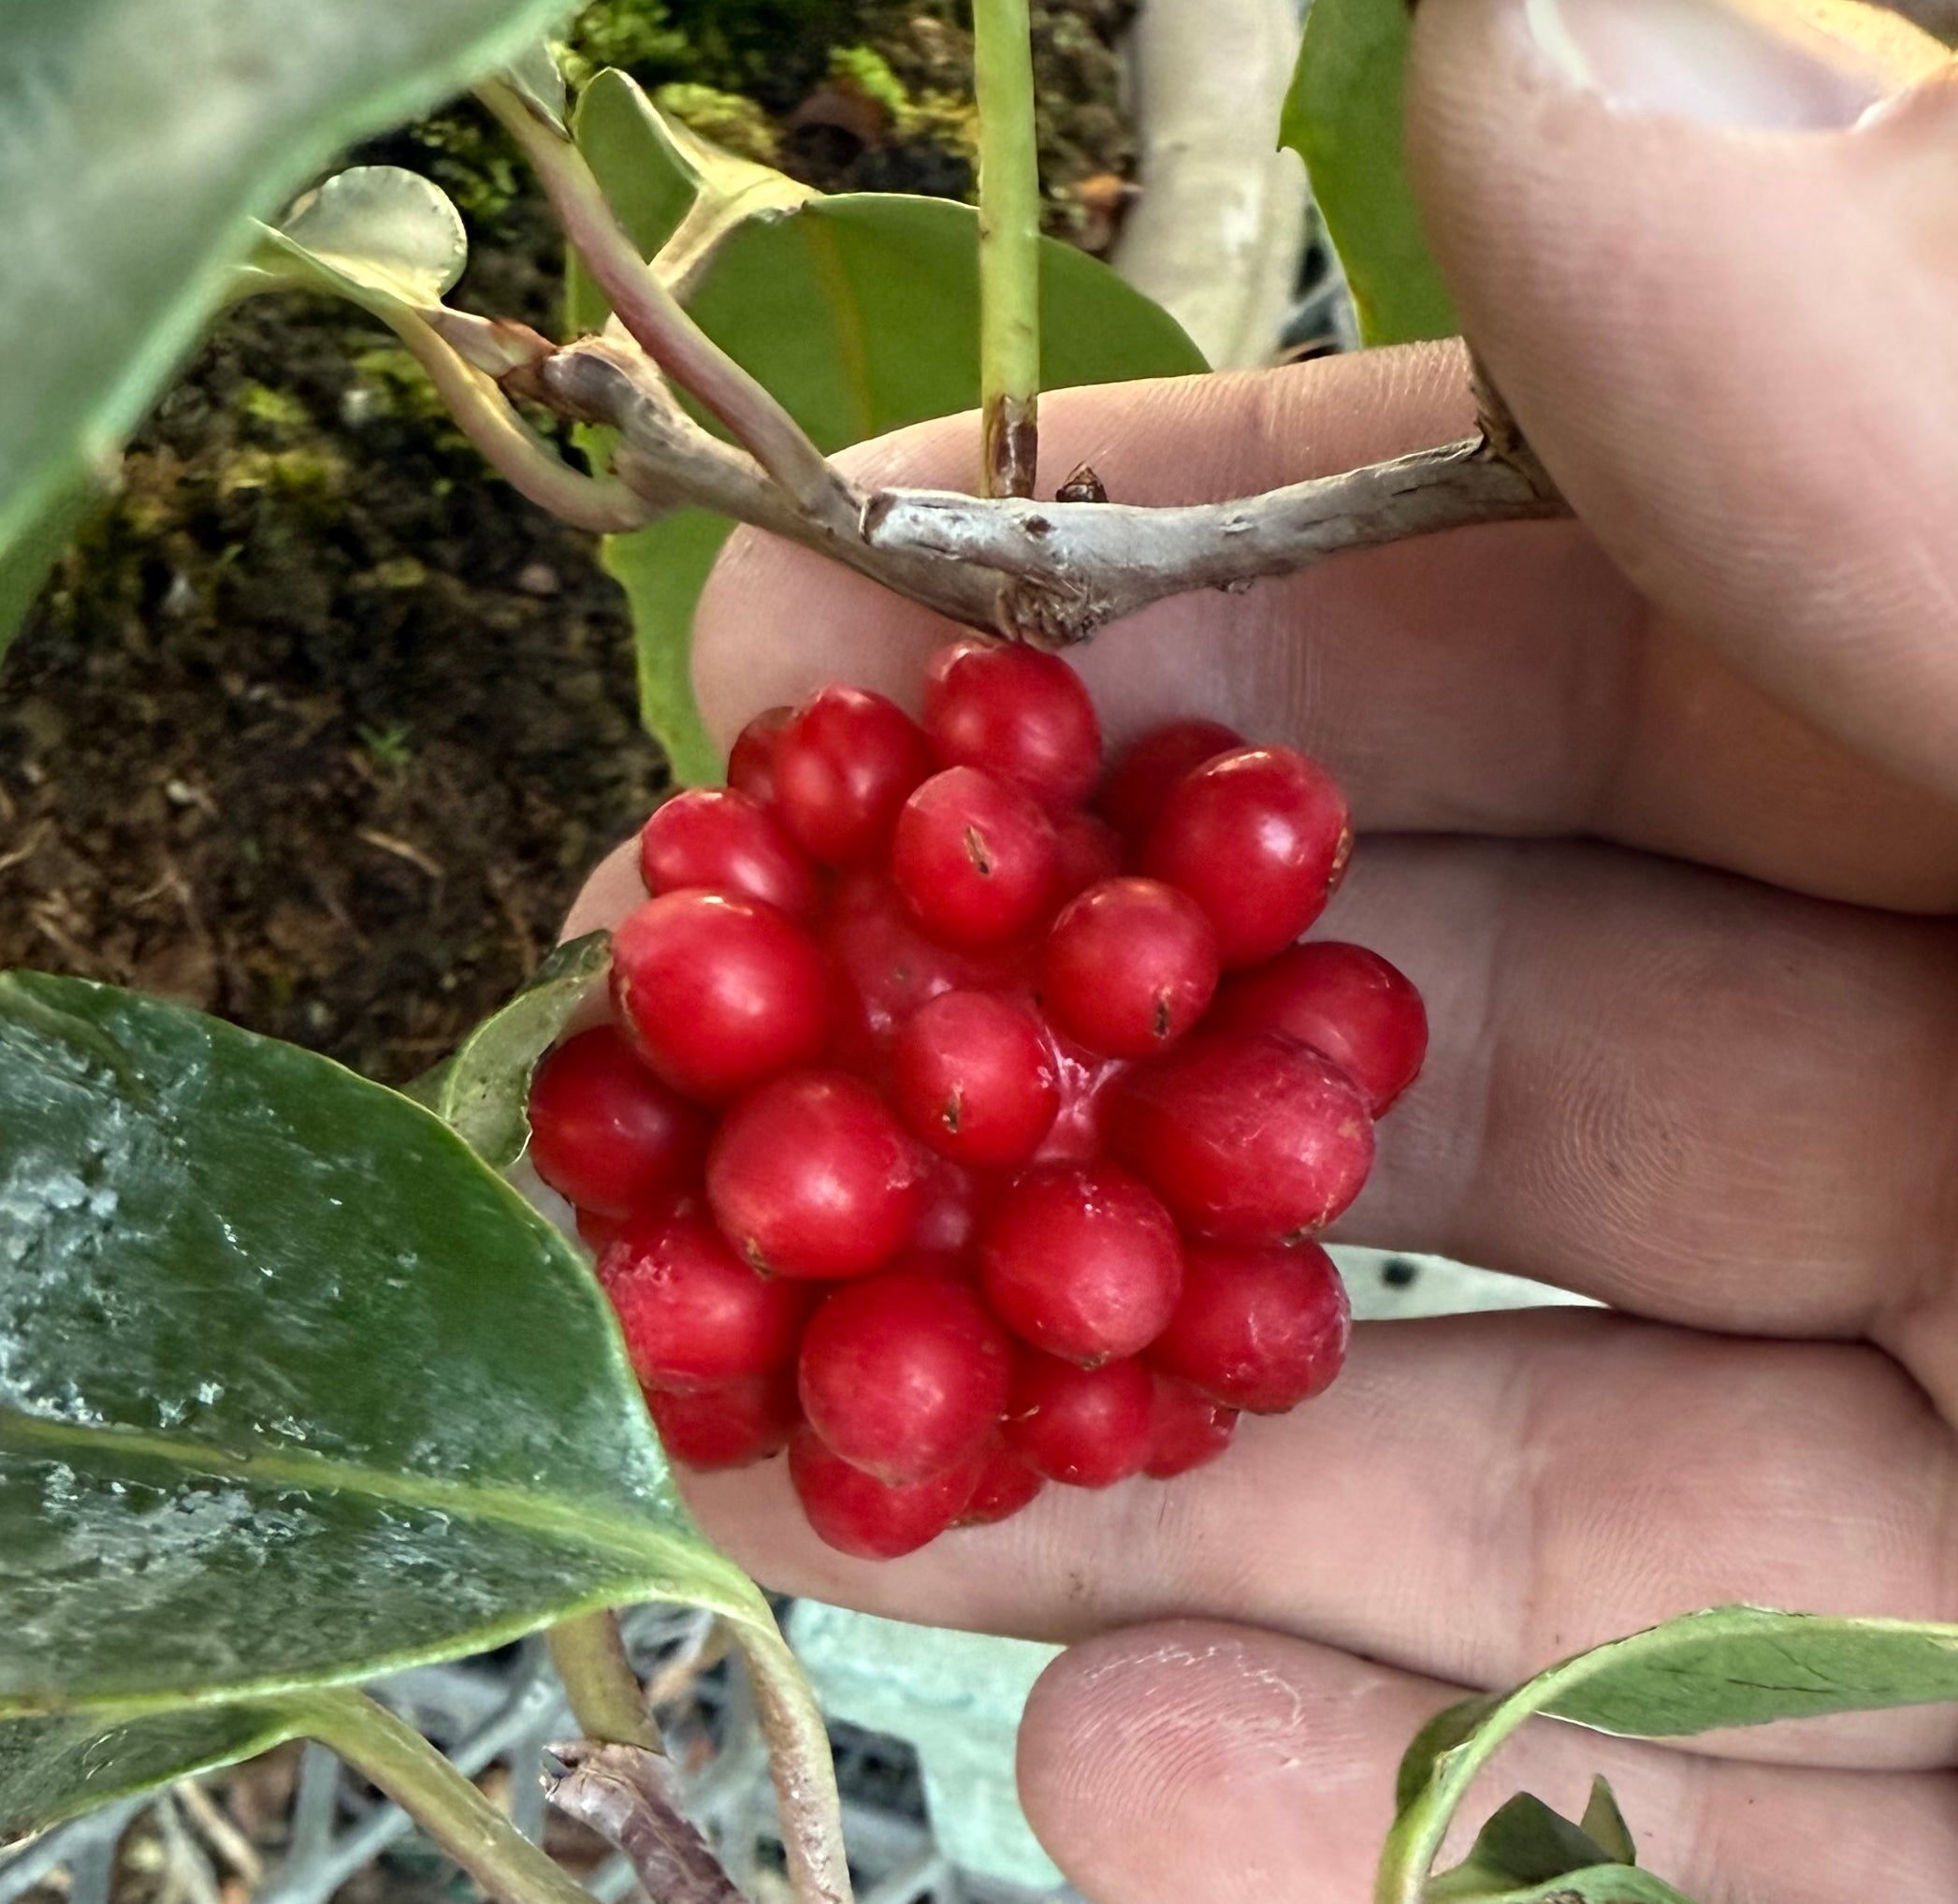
(666, 1555)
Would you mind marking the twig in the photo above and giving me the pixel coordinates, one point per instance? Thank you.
(218, 1830)
(654, 319)
(1051, 572)
(1009, 248)
(620, 1791)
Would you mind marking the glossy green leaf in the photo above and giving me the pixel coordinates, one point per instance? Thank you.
(136, 139)
(55, 1768)
(860, 312)
(485, 1087)
(1344, 117)
(663, 568)
(1523, 1843)
(1728, 1666)
(292, 1387)
(378, 227)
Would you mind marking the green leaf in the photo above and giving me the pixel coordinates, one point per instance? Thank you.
(136, 139)
(1344, 117)
(860, 313)
(24, 561)
(1605, 1823)
(663, 568)
(292, 1387)
(1524, 1842)
(376, 229)
(55, 1768)
(485, 1084)
(1731, 1665)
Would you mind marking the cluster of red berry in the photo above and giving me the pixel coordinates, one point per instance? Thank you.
(960, 1134)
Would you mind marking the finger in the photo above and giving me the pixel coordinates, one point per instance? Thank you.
(1195, 1759)
(1690, 1096)
(1499, 681)
(1638, 203)
(1473, 1499)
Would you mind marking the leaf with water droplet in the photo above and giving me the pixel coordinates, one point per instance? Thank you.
(293, 1386)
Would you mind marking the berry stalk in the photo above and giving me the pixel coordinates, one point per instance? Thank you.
(1009, 248)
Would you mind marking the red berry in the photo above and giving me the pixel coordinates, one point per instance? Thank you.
(1005, 1484)
(1086, 1427)
(888, 969)
(1248, 1137)
(1086, 850)
(1021, 714)
(732, 1426)
(718, 992)
(1129, 966)
(720, 838)
(692, 1313)
(975, 1078)
(846, 760)
(811, 1176)
(751, 763)
(1341, 999)
(1256, 838)
(905, 1375)
(858, 1513)
(1261, 1330)
(974, 858)
(598, 1232)
(1085, 1081)
(605, 1132)
(1141, 779)
(951, 1201)
(1081, 1261)
(1186, 1428)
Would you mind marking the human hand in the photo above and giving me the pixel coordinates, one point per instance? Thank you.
(1661, 814)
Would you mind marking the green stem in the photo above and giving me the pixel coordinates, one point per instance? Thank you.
(400, 1762)
(606, 1698)
(1009, 247)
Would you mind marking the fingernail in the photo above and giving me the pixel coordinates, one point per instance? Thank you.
(1740, 65)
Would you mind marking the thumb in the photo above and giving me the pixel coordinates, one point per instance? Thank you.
(1708, 250)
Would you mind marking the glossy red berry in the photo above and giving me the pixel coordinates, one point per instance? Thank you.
(1086, 1080)
(692, 1313)
(751, 761)
(952, 1201)
(1341, 999)
(858, 1513)
(1081, 1261)
(1017, 713)
(1186, 1428)
(605, 1132)
(598, 1231)
(1129, 966)
(1086, 850)
(1256, 838)
(1259, 1329)
(887, 968)
(1086, 1427)
(1248, 1137)
(974, 858)
(733, 1426)
(1005, 1485)
(845, 761)
(810, 1175)
(718, 992)
(904, 1374)
(975, 1078)
(723, 838)
(1142, 779)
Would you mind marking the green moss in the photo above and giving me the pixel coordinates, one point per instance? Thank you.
(278, 410)
(737, 125)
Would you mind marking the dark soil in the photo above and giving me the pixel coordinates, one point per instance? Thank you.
(320, 726)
